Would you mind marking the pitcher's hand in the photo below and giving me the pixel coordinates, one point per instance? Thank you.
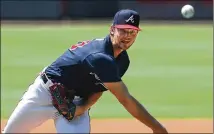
(160, 130)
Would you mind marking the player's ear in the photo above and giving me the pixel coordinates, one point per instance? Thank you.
(112, 30)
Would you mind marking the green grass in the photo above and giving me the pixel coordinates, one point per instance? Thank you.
(170, 71)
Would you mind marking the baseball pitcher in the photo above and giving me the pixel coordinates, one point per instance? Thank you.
(66, 89)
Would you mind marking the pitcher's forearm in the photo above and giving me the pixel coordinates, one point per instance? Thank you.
(92, 100)
(80, 109)
(139, 112)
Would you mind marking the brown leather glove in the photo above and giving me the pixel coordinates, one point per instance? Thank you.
(61, 102)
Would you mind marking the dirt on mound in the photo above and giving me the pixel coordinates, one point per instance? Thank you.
(134, 126)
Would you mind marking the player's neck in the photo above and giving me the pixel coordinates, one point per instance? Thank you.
(116, 49)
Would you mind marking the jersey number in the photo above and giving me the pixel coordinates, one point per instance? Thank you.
(81, 44)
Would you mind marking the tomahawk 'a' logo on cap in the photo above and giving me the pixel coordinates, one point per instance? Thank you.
(130, 19)
(127, 18)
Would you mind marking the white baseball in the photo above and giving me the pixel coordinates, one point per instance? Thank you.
(187, 11)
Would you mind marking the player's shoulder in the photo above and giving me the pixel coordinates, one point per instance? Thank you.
(104, 40)
(100, 48)
(86, 42)
(94, 45)
(97, 41)
(96, 48)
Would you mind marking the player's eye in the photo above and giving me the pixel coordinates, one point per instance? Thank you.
(122, 31)
(132, 32)
(128, 31)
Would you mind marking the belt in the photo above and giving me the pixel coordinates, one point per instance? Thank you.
(46, 80)
(44, 77)
(48, 83)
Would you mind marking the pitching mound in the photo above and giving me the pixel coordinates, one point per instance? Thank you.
(134, 126)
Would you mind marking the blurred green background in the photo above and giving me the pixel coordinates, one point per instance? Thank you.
(170, 71)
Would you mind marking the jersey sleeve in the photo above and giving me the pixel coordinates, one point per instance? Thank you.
(123, 63)
(103, 66)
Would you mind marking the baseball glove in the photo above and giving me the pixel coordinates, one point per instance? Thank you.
(61, 102)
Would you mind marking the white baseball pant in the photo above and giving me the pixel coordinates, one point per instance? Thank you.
(36, 107)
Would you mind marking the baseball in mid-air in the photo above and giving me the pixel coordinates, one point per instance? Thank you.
(187, 11)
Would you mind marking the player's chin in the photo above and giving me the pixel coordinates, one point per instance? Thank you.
(122, 47)
(126, 46)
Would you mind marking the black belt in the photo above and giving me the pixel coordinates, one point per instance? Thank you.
(44, 78)
(70, 93)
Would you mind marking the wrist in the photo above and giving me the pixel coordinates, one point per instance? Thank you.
(159, 129)
(156, 125)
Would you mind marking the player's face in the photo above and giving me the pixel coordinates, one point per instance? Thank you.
(124, 38)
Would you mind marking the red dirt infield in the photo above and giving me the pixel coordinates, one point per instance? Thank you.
(134, 126)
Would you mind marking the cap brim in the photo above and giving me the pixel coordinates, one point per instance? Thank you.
(127, 26)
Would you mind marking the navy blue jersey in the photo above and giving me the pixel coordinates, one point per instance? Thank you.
(87, 65)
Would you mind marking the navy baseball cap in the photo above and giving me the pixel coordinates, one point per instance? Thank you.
(127, 18)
